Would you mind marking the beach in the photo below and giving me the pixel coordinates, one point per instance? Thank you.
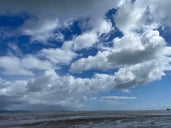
(99, 119)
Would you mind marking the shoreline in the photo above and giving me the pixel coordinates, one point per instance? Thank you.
(50, 120)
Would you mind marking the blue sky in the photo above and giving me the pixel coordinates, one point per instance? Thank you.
(85, 55)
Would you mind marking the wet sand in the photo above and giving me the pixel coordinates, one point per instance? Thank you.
(117, 119)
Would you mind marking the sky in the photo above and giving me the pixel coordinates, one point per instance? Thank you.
(85, 55)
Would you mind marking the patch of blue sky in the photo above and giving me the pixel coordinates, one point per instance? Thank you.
(70, 31)
(3, 49)
(63, 70)
(84, 53)
(90, 73)
(154, 92)
(165, 32)
(54, 43)
(152, 96)
(109, 16)
(106, 39)
(9, 23)
(22, 42)
(12, 21)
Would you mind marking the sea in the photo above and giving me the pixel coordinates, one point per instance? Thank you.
(82, 119)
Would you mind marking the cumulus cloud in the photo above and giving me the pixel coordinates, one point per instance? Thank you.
(129, 50)
(142, 15)
(104, 27)
(43, 32)
(132, 49)
(141, 59)
(52, 89)
(130, 16)
(139, 74)
(86, 40)
(99, 61)
(31, 62)
(163, 9)
(23, 66)
(12, 65)
(58, 56)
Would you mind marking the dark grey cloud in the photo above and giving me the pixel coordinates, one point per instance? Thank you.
(128, 57)
(7, 101)
(38, 107)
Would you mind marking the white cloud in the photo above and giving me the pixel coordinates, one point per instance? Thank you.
(66, 90)
(12, 66)
(42, 32)
(104, 27)
(58, 56)
(140, 74)
(117, 98)
(14, 49)
(142, 15)
(86, 40)
(132, 49)
(162, 8)
(31, 62)
(99, 61)
(130, 16)
(52, 89)
(23, 66)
